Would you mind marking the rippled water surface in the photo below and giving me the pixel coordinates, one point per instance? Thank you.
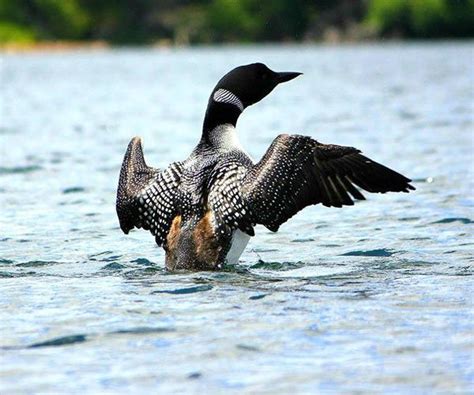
(372, 298)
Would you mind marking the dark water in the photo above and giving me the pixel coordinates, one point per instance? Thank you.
(372, 298)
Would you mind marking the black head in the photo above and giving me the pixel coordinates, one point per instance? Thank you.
(240, 88)
(252, 82)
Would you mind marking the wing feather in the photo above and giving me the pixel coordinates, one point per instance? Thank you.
(146, 197)
(297, 171)
(225, 198)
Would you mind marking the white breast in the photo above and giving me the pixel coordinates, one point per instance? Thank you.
(239, 242)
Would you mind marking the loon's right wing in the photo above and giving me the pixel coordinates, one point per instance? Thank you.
(297, 171)
(146, 197)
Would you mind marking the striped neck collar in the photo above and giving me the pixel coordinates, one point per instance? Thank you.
(225, 96)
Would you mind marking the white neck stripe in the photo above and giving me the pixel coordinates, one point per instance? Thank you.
(225, 96)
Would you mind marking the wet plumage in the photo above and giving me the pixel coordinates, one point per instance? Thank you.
(201, 209)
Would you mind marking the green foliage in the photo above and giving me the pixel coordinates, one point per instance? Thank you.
(192, 21)
(10, 32)
(11, 13)
(460, 14)
(231, 20)
(60, 18)
(282, 19)
(123, 21)
(388, 15)
(25, 20)
(422, 18)
(250, 20)
(427, 17)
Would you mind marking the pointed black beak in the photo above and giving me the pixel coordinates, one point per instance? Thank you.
(287, 76)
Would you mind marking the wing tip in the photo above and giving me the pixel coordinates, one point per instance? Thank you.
(135, 152)
(136, 139)
(134, 174)
(406, 187)
(133, 163)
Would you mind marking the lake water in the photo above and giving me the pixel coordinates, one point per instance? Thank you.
(372, 298)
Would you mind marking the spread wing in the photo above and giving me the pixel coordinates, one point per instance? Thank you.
(297, 171)
(146, 197)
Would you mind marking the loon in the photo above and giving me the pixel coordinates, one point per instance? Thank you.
(203, 210)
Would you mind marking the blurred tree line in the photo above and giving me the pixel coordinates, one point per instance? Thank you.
(216, 21)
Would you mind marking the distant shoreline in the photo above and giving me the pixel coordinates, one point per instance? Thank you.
(53, 46)
(71, 46)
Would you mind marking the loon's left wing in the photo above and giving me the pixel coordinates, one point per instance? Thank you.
(297, 171)
(146, 197)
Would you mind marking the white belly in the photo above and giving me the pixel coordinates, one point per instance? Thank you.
(239, 242)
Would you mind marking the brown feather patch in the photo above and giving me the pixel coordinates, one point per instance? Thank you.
(172, 241)
(205, 241)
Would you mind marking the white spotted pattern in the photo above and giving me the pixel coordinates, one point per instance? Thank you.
(297, 171)
(157, 202)
(225, 198)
